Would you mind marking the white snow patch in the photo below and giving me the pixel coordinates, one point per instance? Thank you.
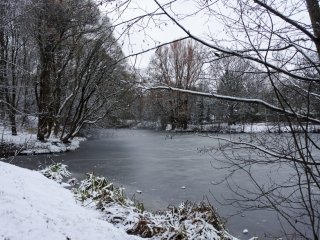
(29, 141)
(245, 231)
(34, 207)
(52, 145)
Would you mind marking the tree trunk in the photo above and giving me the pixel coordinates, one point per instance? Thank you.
(12, 118)
(314, 13)
(46, 46)
(44, 98)
(26, 106)
(13, 92)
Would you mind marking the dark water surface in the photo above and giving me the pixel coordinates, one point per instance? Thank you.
(159, 164)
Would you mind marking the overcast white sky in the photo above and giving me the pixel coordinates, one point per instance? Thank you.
(147, 33)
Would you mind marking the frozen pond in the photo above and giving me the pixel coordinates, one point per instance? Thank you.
(160, 165)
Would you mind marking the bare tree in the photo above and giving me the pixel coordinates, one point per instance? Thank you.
(60, 63)
(13, 58)
(178, 65)
(9, 45)
(238, 78)
(75, 58)
(97, 86)
(279, 41)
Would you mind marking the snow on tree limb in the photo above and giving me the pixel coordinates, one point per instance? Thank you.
(239, 99)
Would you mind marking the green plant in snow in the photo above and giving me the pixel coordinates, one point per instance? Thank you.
(120, 195)
(137, 204)
(56, 172)
(100, 191)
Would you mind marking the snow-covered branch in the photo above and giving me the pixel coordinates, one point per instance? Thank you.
(239, 99)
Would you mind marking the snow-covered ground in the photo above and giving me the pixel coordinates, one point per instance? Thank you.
(34, 207)
(28, 143)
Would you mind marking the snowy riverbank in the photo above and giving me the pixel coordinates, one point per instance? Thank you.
(27, 144)
(264, 127)
(34, 207)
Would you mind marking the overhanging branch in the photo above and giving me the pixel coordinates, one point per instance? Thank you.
(240, 99)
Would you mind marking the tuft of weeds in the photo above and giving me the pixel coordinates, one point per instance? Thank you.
(100, 190)
(137, 204)
(56, 172)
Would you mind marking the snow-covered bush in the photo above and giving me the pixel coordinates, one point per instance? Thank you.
(188, 221)
(101, 194)
(56, 172)
(99, 190)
